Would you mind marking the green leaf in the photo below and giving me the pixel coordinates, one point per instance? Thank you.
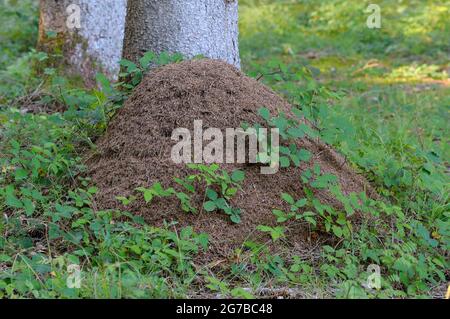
(310, 214)
(311, 220)
(316, 169)
(301, 202)
(221, 203)
(20, 174)
(235, 219)
(11, 199)
(65, 211)
(241, 293)
(265, 113)
(148, 195)
(295, 160)
(146, 59)
(29, 207)
(287, 198)
(203, 240)
(136, 249)
(295, 132)
(285, 150)
(209, 206)
(231, 192)
(104, 81)
(125, 201)
(238, 176)
(92, 190)
(157, 187)
(211, 194)
(281, 216)
(185, 184)
(284, 161)
(337, 231)
(275, 232)
(304, 155)
(129, 65)
(264, 228)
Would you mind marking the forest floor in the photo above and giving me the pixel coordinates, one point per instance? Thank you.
(381, 97)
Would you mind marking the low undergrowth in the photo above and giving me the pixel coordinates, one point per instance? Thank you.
(56, 243)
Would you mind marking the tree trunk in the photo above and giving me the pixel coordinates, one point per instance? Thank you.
(189, 27)
(87, 33)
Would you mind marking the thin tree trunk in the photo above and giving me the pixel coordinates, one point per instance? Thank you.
(189, 27)
(90, 46)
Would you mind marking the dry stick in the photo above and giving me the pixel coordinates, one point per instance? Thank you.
(271, 73)
(201, 209)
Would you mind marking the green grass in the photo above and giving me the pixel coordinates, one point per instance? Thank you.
(393, 113)
(381, 97)
(394, 83)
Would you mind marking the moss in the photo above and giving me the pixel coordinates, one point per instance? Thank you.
(63, 47)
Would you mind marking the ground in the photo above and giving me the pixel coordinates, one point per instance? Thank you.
(379, 96)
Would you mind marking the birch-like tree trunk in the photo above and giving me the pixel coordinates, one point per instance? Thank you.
(88, 34)
(189, 27)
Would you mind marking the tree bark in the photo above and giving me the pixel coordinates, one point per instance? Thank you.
(189, 27)
(90, 46)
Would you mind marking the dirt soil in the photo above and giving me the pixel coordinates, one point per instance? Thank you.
(135, 151)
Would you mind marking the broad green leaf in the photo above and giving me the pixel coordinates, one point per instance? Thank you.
(296, 132)
(265, 113)
(209, 206)
(238, 176)
(287, 198)
(284, 161)
(304, 155)
(301, 202)
(211, 194)
(337, 231)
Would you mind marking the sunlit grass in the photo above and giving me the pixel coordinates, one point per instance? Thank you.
(394, 80)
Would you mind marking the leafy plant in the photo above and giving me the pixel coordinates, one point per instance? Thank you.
(215, 202)
(275, 232)
(158, 191)
(132, 73)
(228, 184)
